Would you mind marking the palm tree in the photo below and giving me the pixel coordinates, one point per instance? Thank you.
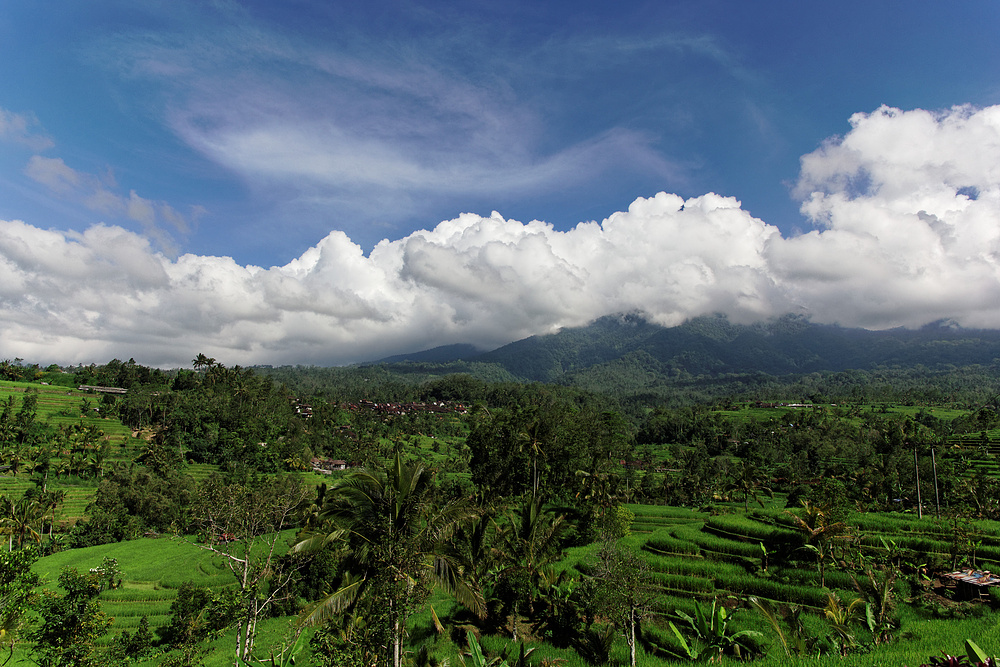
(747, 482)
(397, 538)
(19, 517)
(15, 458)
(201, 361)
(528, 543)
(820, 533)
(50, 502)
(40, 463)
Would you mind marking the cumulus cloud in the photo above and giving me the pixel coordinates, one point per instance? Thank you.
(906, 207)
(483, 280)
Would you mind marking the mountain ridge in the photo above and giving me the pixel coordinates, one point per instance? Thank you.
(713, 346)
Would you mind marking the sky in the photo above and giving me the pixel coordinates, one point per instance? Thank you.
(316, 182)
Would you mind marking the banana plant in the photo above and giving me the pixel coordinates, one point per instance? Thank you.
(475, 657)
(841, 617)
(713, 633)
(978, 655)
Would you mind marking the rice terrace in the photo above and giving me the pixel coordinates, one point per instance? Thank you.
(409, 514)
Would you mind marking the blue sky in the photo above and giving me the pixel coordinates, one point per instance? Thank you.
(213, 138)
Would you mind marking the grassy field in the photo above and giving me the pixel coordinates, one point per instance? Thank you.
(692, 556)
(696, 557)
(750, 411)
(61, 406)
(153, 570)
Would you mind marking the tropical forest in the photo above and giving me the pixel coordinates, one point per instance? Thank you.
(621, 494)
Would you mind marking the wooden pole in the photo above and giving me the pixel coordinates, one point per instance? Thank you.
(937, 495)
(916, 470)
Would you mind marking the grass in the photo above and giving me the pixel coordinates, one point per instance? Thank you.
(663, 542)
(148, 564)
(724, 570)
(153, 570)
(747, 529)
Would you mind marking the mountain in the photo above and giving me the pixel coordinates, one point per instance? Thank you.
(438, 355)
(629, 350)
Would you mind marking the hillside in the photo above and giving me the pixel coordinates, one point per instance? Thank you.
(629, 355)
(715, 346)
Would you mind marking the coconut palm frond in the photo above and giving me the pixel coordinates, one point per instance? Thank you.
(317, 541)
(452, 582)
(335, 602)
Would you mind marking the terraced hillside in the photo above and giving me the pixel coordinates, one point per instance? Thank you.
(67, 415)
(153, 570)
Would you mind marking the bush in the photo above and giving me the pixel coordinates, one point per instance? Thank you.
(133, 646)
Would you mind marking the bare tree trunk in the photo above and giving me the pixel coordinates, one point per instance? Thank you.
(631, 636)
(239, 644)
(252, 631)
(397, 640)
(937, 495)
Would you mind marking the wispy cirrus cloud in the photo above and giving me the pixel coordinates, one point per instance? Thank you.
(158, 220)
(99, 193)
(401, 123)
(23, 129)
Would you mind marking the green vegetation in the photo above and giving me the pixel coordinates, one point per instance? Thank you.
(214, 516)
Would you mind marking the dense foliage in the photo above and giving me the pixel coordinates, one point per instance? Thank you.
(460, 484)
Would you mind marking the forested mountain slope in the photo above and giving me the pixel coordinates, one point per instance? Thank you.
(713, 346)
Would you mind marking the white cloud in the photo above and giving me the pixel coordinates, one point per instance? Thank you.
(53, 174)
(484, 280)
(19, 128)
(908, 209)
(907, 206)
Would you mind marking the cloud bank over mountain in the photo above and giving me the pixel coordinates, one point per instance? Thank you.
(906, 215)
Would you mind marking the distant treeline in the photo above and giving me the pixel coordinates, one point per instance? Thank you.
(966, 387)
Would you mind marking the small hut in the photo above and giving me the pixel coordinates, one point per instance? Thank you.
(971, 584)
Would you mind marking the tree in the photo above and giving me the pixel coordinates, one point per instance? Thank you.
(134, 646)
(621, 590)
(746, 482)
(201, 362)
(17, 583)
(528, 542)
(241, 523)
(397, 537)
(11, 370)
(22, 518)
(196, 614)
(51, 501)
(134, 500)
(600, 496)
(820, 532)
(70, 624)
(501, 453)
